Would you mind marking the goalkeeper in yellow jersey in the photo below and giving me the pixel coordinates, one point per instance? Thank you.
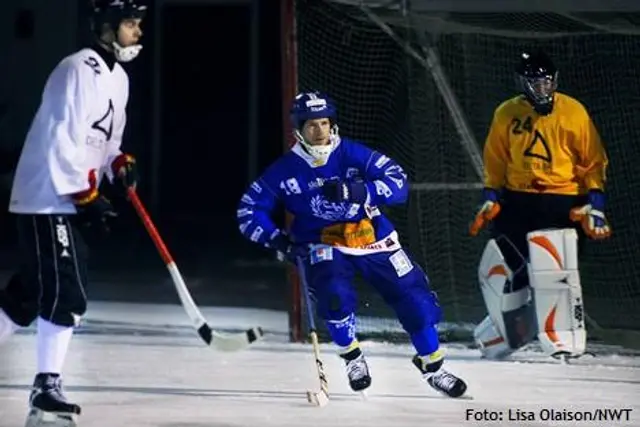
(544, 182)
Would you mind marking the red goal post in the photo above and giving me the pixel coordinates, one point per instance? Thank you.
(289, 90)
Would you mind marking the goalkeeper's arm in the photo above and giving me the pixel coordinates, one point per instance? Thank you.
(591, 168)
(495, 157)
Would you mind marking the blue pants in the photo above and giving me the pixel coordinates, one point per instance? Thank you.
(401, 283)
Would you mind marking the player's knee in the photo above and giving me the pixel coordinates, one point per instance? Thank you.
(62, 317)
(336, 302)
(22, 312)
(418, 307)
(65, 310)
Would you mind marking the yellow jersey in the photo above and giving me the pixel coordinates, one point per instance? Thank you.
(560, 153)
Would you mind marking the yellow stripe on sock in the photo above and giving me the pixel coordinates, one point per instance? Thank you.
(344, 350)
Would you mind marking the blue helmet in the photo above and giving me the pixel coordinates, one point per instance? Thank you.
(312, 105)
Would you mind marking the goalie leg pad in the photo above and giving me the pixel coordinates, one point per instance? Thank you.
(557, 292)
(38, 418)
(511, 320)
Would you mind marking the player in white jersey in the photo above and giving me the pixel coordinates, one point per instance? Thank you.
(74, 141)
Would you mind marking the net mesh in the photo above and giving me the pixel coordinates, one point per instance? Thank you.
(391, 99)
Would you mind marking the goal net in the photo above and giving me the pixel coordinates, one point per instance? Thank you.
(423, 88)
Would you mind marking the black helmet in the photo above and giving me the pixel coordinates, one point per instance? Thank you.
(108, 14)
(112, 12)
(537, 77)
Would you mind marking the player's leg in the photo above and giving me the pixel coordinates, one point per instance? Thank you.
(60, 255)
(405, 287)
(19, 299)
(18, 306)
(330, 275)
(505, 285)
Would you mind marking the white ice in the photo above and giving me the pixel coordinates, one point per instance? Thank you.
(141, 365)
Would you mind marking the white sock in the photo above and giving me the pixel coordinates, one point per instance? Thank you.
(7, 327)
(53, 342)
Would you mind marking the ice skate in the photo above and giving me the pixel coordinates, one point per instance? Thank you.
(357, 370)
(48, 406)
(439, 379)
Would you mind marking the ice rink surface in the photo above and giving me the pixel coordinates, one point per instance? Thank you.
(142, 365)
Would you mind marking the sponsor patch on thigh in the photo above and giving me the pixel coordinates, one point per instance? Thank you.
(401, 263)
(321, 253)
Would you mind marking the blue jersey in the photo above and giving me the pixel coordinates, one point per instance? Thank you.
(295, 181)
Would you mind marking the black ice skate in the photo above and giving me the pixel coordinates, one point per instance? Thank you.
(48, 405)
(357, 370)
(441, 380)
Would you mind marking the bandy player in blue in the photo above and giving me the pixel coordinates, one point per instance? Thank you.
(333, 187)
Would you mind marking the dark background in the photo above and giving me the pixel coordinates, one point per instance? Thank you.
(205, 72)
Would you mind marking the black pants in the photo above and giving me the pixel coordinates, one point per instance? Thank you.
(525, 212)
(53, 272)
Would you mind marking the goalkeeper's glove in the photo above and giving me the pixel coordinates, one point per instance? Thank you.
(488, 211)
(591, 216)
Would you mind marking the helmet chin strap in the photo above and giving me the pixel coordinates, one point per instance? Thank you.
(126, 54)
(319, 152)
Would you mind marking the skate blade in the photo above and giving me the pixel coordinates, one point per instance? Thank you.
(319, 399)
(38, 418)
(364, 396)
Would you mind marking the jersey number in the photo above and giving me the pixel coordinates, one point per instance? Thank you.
(105, 123)
(538, 146)
(290, 186)
(93, 64)
(518, 126)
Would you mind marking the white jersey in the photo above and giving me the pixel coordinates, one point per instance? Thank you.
(77, 128)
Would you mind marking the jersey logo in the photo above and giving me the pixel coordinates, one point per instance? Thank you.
(93, 64)
(105, 123)
(331, 211)
(538, 148)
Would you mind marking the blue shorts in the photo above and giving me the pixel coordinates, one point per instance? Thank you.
(402, 284)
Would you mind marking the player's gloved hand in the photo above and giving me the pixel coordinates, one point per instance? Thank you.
(92, 208)
(287, 250)
(591, 216)
(488, 211)
(345, 191)
(125, 171)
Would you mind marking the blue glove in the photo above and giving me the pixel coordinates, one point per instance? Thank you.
(345, 191)
(287, 250)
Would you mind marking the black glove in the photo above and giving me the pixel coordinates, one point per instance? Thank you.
(345, 191)
(288, 250)
(96, 213)
(92, 208)
(125, 171)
